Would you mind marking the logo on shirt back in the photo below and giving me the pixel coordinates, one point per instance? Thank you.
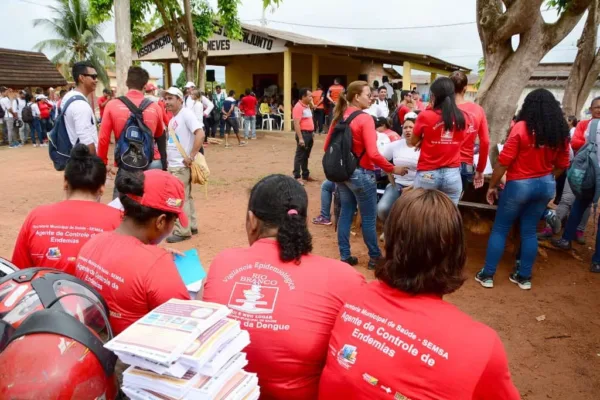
(53, 253)
(253, 298)
(346, 357)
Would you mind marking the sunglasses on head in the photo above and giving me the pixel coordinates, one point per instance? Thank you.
(93, 76)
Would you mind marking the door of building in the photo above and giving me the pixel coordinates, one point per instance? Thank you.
(265, 82)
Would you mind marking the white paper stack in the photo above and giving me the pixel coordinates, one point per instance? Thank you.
(185, 349)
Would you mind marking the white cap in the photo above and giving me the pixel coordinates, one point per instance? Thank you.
(410, 115)
(175, 92)
(40, 97)
(189, 85)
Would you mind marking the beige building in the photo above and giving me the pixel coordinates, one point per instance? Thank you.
(265, 58)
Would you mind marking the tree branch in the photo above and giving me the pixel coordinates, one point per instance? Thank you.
(518, 17)
(557, 31)
(170, 25)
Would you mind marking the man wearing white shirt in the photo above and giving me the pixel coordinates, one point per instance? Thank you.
(18, 106)
(382, 108)
(9, 118)
(79, 116)
(187, 98)
(185, 128)
(388, 87)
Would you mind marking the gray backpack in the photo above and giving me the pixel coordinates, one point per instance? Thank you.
(584, 170)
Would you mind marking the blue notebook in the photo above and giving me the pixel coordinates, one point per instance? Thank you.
(190, 269)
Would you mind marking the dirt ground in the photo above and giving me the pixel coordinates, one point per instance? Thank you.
(557, 358)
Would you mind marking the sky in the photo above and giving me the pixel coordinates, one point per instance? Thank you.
(414, 27)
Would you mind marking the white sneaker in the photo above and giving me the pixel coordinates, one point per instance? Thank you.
(44, 145)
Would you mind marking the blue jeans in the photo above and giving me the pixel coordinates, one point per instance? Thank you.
(388, 199)
(250, 122)
(327, 189)
(446, 180)
(578, 209)
(524, 200)
(360, 190)
(467, 173)
(36, 128)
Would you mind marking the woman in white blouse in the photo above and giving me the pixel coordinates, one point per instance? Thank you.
(402, 154)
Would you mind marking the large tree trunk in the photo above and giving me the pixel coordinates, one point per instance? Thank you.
(508, 70)
(123, 45)
(586, 65)
(202, 69)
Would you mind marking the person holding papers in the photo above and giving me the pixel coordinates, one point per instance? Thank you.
(133, 274)
(286, 298)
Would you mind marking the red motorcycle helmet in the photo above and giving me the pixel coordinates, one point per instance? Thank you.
(50, 343)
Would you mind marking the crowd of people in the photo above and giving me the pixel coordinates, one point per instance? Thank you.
(336, 336)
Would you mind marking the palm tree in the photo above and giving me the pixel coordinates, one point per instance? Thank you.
(76, 39)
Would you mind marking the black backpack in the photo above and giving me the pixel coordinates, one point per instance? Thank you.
(339, 162)
(396, 124)
(27, 114)
(2, 112)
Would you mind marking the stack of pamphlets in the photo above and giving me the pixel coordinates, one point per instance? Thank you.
(185, 349)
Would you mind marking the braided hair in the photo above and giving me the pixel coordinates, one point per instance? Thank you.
(280, 202)
(544, 119)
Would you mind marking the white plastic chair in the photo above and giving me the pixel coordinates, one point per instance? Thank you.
(266, 119)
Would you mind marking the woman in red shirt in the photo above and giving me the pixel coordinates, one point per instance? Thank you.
(53, 234)
(536, 151)
(361, 189)
(439, 132)
(125, 266)
(287, 298)
(397, 338)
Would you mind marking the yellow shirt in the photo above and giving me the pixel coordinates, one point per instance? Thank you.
(264, 108)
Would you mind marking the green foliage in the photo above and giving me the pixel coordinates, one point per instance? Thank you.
(202, 19)
(181, 80)
(228, 10)
(480, 72)
(75, 38)
(559, 5)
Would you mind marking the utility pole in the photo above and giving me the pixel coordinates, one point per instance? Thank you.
(123, 43)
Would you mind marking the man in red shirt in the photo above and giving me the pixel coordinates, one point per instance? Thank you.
(406, 105)
(416, 99)
(579, 137)
(305, 128)
(116, 115)
(318, 101)
(107, 95)
(478, 126)
(333, 94)
(248, 108)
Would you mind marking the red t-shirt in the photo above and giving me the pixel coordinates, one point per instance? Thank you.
(478, 127)
(317, 96)
(524, 160)
(335, 91)
(288, 309)
(248, 105)
(132, 277)
(364, 139)
(579, 139)
(116, 115)
(440, 148)
(53, 234)
(102, 101)
(304, 114)
(387, 344)
(402, 112)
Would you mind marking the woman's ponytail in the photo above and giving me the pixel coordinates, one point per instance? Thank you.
(340, 108)
(442, 90)
(293, 237)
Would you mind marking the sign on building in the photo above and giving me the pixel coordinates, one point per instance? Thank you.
(159, 46)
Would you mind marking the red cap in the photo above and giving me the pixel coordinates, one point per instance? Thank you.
(162, 191)
(150, 86)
